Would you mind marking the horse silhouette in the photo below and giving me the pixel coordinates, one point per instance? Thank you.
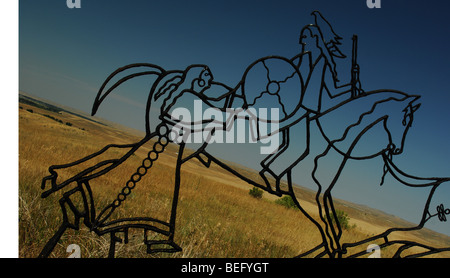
(282, 83)
(389, 113)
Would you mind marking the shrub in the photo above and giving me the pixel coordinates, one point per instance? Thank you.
(53, 118)
(256, 192)
(287, 201)
(343, 219)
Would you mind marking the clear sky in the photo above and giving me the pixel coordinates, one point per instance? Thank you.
(66, 54)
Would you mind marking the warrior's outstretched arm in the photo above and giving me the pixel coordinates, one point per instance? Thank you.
(93, 165)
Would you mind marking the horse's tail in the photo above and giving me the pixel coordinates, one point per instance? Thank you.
(128, 72)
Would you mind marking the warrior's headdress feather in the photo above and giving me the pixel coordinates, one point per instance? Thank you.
(329, 36)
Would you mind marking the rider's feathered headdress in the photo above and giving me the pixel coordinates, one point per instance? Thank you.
(329, 37)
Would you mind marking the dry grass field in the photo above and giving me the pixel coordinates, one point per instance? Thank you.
(217, 218)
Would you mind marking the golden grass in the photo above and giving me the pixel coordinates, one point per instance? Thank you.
(214, 219)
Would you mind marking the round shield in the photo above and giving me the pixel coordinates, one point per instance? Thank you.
(273, 82)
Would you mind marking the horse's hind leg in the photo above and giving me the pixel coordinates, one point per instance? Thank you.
(169, 245)
(176, 191)
(66, 205)
(50, 245)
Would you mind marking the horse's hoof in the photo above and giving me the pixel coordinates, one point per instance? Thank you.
(168, 246)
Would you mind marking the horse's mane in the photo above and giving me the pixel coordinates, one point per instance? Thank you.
(373, 101)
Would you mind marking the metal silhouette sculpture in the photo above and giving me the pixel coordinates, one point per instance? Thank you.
(285, 83)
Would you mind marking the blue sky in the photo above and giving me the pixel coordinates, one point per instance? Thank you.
(66, 54)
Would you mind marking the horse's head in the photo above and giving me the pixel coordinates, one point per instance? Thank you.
(398, 123)
(392, 116)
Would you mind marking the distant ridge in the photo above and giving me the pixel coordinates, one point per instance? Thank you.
(53, 108)
(57, 108)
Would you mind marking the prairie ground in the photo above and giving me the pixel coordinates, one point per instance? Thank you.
(217, 218)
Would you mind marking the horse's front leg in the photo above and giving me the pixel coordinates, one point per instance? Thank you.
(325, 217)
(328, 214)
(330, 239)
(319, 219)
(332, 225)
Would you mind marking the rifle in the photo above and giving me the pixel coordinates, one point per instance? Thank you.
(355, 82)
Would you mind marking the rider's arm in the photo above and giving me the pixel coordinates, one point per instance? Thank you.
(331, 87)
